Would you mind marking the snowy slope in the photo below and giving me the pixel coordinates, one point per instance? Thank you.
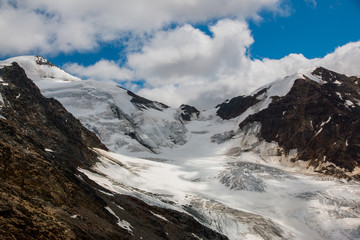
(225, 176)
(107, 110)
(122, 120)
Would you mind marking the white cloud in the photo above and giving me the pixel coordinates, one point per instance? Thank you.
(187, 66)
(103, 70)
(42, 26)
(186, 54)
(345, 59)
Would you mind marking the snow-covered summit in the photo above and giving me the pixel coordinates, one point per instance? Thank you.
(38, 68)
(282, 86)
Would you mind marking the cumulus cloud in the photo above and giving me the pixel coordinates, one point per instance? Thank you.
(103, 70)
(42, 26)
(188, 66)
(186, 54)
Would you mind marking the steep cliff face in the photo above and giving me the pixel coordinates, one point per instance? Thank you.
(43, 195)
(43, 123)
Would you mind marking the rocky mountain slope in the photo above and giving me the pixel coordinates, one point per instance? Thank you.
(318, 118)
(45, 196)
(280, 163)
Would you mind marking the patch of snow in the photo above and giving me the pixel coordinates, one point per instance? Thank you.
(159, 216)
(120, 207)
(337, 82)
(74, 216)
(49, 150)
(349, 103)
(2, 117)
(196, 236)
(125, 225)
(339, 95)
(317, 133)
(121, 223)
(357, 101)
(1, 99)
(326, 122)
(17, 97)
(109, 194)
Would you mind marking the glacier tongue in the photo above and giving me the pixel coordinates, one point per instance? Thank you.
(254, 194)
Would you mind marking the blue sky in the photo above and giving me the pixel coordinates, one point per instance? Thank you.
(313, 30)
(196, 52)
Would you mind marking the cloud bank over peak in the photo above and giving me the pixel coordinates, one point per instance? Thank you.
(186, 65)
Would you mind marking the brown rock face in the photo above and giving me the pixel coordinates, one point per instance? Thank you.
(42, 193)
(321, 121)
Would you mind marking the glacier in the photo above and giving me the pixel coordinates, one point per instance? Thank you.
(228, 179)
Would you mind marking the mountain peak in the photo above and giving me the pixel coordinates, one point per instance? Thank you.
(38, 68)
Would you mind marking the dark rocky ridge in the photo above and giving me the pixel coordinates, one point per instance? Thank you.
(42, 193)
(316, 119)
(237, 105)
(42, 61)
(188, 112)
(142, 103)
